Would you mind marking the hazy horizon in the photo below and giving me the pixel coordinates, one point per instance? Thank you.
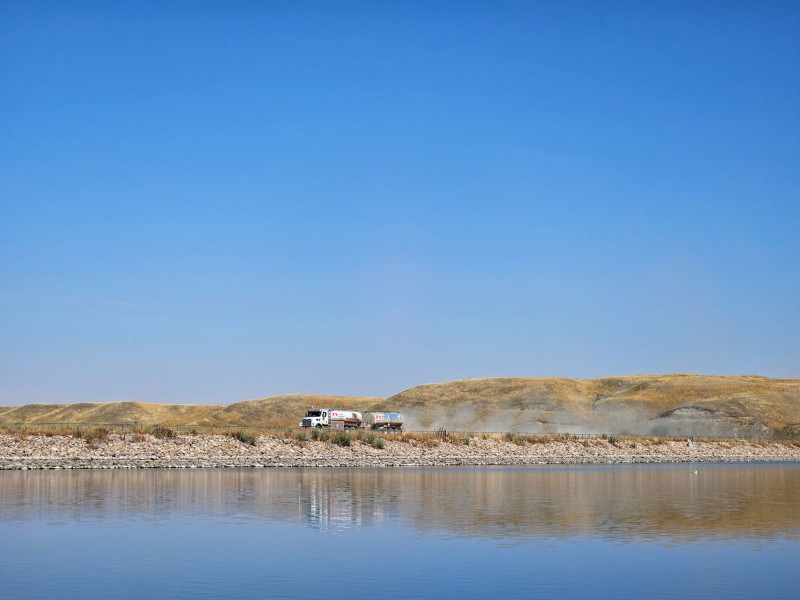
(208, 205)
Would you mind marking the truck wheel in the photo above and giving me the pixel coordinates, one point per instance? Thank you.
(318, 426)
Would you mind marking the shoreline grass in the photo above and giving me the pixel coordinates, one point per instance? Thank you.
(94, 435)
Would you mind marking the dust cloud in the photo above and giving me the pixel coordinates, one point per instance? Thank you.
(553, 421)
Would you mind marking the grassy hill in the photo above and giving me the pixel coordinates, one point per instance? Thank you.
(682, 404)
(277, 411)
(667, 404)
(289, 409)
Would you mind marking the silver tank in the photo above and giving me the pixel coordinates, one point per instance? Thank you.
(337, 414)
(378, 420)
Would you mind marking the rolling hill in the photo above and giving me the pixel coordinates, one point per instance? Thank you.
(679, 404)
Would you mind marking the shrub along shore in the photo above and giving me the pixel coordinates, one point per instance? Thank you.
(100, 448)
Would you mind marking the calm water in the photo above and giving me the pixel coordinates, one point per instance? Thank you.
(666, 531)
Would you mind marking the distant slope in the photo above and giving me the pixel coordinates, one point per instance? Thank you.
(682, 404)
(675, 404)
(278, 411)
(286, 411)
(112, 412)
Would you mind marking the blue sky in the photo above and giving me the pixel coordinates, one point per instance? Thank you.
(209, 202)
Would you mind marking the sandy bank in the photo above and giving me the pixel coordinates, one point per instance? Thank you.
(198, 451)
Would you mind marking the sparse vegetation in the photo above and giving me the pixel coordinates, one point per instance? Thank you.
(519, 440)
(425, 438)
(162, 432)
(20, 432)
(321, 435)
(373, 440)
(342, 438)
(244, 436)
(96, 435)
(278, 443)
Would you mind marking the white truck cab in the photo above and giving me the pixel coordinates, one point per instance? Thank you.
(315, 418)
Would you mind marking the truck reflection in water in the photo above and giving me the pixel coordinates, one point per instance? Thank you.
(324, 509)
(337, 503)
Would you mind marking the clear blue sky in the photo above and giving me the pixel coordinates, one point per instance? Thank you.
(209, 202)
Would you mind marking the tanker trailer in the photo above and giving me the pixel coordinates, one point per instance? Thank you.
(383, 420)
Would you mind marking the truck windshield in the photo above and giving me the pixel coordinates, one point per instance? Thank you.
(314, 413)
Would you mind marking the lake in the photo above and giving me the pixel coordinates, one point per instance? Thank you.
(656, 531)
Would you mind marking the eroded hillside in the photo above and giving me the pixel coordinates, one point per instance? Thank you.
(644, 404)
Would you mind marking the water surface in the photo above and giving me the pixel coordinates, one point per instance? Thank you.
(662, 531)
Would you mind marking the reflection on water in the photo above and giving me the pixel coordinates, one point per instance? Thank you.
(665, 503)
(668, 531)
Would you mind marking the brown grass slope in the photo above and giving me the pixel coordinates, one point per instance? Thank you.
(662, 404)
(681, 404)
(278, 411)
(287, 410)
(144, 413)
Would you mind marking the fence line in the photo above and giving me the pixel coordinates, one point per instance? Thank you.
(220, 429)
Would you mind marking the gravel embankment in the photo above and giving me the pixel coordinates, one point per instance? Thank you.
(197, 451)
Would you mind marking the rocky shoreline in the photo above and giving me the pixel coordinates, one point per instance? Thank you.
(126, 451)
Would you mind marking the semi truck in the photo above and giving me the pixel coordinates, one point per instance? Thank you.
(335, 418)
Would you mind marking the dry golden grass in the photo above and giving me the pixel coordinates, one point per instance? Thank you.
(557, 404)
(547, 405)
(278, 411)
(287, 410)
(112, 412)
